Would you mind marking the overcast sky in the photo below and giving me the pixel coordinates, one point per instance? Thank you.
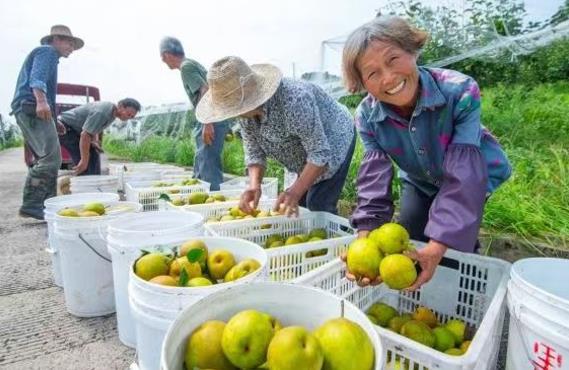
(121, 38)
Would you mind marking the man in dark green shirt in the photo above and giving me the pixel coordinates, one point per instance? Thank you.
(209, 139)
(83, 126)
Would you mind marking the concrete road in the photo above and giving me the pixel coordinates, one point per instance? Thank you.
(36, 332)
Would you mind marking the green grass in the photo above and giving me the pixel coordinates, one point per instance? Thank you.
(11, 144)
(532, 125)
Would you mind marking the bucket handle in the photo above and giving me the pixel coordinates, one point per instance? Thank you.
(519, 316)
(92, 248)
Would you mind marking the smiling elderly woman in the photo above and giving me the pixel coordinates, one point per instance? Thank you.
(427, 122)
(293, 122)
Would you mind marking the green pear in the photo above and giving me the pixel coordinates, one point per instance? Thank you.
(195, 244)
(203, 349)
(346, 346)
(227, 218)
(242, 269)
(219, 262)
(397, 322)
(219, 197)
(263, 214)
(318, 233)
(210, 200)
(419, 332)
(246, 338)
(166, 280)
(398, 271)
(295, 239)
(197, 198)
(236, 212)
(364, 258)
(198, 281)
(178, 202)
(97, 207)
(391, 237)
(68, 212)
(444, 339)
(294, 348)
(151, 265)
(303, 237)
(193, 269)
(454, 352)
(427, 316)
(88, 214)
(458, 329)
(276, 244)
(382, 312)
(271, 239)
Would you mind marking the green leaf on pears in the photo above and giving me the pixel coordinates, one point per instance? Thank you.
(165, 197)
(184, 277)
(194, 255)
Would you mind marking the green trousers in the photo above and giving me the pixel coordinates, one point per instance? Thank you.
(41, 182)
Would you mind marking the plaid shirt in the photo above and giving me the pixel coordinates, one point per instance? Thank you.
(301, 123)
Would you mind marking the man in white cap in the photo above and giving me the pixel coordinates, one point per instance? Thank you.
(294, 122)
(34, 108)
(209, 139)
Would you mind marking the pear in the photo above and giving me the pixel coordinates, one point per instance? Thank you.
(151, 265)
(203, 349)
(364, 258)
(294, 348)
(346, 346)
(166, 280)
(219, 262)
(242, 269)
(198, 281)
(96, 207)
(246, 338)
(68, 212)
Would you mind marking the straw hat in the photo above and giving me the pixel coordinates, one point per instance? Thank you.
(236, 88)
(63, 31)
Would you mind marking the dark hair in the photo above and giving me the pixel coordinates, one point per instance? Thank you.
(130, 103)
(171, 45)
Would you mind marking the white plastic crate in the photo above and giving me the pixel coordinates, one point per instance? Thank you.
(465, 286)
(144, 171)
(269, 185)
(291, 261)
(148, 195)
(205, 209)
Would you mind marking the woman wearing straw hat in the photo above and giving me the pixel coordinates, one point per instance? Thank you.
(34, 108)
(294, 122)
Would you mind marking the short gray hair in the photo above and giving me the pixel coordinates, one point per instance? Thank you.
(172, 45)
(391, 29)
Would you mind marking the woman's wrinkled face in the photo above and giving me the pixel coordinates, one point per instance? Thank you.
(390, 74)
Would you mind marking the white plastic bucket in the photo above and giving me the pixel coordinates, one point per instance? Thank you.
(127, 236)
(155, 307)
(52, 205)
(94, 183)
(85, 263)
(290, 304)
(538, 301)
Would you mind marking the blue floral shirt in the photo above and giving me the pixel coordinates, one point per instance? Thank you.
(38, 72)
(301, 123)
